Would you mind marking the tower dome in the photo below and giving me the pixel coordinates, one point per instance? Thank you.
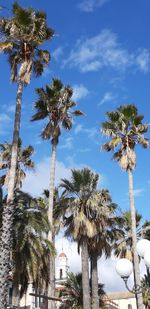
(62, 254)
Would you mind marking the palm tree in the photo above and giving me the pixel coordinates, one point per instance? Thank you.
(30, 245)
(21, 37)
(126, 130)
(73, 292)
(23, 162)
(108, 223)
(123, 247)
(54, 104)
(78, 218)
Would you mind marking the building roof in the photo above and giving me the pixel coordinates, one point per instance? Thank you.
(62, 254)
(120, 295)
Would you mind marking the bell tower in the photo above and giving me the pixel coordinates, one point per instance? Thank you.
(61, 268)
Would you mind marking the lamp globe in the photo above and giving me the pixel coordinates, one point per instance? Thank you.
(147, 258)
(124, 268)
(142, 246)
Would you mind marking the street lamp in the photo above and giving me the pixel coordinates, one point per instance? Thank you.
(124, 267)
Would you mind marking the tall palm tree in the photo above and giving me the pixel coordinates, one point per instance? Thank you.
(108, 223)
(54, 104)
(24, 162)
(126, 130)
(22, 34)
(78, 218)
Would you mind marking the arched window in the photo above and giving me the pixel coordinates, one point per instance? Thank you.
(61, 274)
(129, 306)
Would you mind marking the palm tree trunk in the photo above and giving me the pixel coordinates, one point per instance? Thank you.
(94, 281)
(134, 277)
(14, 153)
(85, 276)
(8, 212)
(134, 241)
(51, 288)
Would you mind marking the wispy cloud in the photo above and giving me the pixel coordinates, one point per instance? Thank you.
(83, 150)
(4, 123)
(47, 72)
(68, 144)
(79, 92)
(143, 60)
(107, 97)
(57, 53)
(4, 117)
(91, 5)
(91, 133)
(11, 108)
(104, 50)
(138, 192)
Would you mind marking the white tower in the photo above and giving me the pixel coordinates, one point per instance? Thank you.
(61, 268)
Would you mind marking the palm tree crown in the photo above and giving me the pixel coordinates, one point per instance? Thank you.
(24, 162)
(126, 130)
(81, 191)
(21, 37)
(54, 103)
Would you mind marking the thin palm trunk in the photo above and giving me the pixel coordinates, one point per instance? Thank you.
(94, 281)
(134, 241)
(14, 154)
(8, 212)
(85, 276)
(134, 277)
(51, 289)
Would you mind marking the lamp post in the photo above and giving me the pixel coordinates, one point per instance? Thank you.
(124, 267)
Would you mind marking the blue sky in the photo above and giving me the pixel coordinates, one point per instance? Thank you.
(102, 49)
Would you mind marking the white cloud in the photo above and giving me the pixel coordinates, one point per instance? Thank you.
(4, 121)
(107, 97)
(79, 92)
(68, 144)
(57, 53)
(47, 72)
(91, 5)
(78, 128)
(104, 50)
(11, 108)
(143, 60)
(138, 192)
(91, 132)
(37, 181)
(82, 150)
(4, 117)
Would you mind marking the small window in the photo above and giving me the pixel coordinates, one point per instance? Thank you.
(129, 306)
(61, 273)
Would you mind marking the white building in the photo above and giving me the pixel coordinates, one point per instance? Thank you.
(124, 300)
(61, 269)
